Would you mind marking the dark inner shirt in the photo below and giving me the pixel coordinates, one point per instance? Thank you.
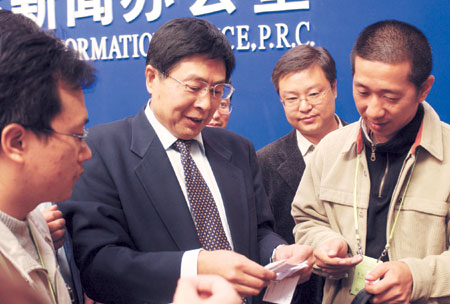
(389, 158)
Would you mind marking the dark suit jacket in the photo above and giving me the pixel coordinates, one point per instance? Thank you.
(129, 219)
(282, 167)
(72, 278)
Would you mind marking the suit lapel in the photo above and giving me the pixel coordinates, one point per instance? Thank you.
(161, 184)
(292, 161)
(231, 185)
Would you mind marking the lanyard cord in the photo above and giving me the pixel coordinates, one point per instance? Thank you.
(355, 209)
(52, 290)
(355, 215)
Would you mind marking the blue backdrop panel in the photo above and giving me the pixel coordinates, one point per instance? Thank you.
(114, 35)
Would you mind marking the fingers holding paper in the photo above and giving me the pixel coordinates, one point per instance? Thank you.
(246, 276)
(294, 255)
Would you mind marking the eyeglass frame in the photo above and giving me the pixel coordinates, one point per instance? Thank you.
(207, 88)
(228, 109)
(81, 137)
(319, 97)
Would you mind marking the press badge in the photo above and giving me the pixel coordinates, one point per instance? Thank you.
(361, 270)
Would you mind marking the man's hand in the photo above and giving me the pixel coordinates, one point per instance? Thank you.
(394, 285)
(207, 289)
(56, 225)
(333, 259)
(296, 254)
(88, 300)
(246, 276)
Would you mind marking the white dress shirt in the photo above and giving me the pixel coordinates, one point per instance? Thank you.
(189, 260)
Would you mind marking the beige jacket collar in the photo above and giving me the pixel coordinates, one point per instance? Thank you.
(429, 136)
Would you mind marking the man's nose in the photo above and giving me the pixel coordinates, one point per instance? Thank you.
(375, 108)
(216, 115)
(304, 106)
(204, 102)
(85, 152)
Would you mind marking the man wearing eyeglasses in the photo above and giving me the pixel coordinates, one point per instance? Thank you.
(42, 148)
(163, 197)
(222, 114)
(305, 79)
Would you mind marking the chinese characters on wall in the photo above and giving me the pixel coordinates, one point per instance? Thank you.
(102, 11)
(242, 37)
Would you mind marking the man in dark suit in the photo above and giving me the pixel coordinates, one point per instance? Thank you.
(136, 223)
(305, 79)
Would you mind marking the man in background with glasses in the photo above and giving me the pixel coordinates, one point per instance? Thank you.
(163, 197)
(305, 79)
(222, 114)
(42, 149)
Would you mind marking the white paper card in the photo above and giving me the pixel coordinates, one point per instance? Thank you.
(282, 289)
(281, 292)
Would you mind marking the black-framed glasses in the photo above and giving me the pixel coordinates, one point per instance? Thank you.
(313, 98)
(81, 136)
(225, 107)
(200, 88)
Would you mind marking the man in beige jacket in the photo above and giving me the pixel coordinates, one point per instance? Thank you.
(42, 147)
(374, 201)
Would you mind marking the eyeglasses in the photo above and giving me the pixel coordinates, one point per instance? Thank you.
(81, 137)
(225, 107)
(312, 98)
(200, 88)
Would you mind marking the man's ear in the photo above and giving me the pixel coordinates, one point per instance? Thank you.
(425, 88)
(334, 89)
(13, 142)
(150, 75)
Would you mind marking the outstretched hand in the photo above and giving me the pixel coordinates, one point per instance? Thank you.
(333, 260)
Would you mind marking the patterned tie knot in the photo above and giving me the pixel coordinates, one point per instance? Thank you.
(183, 146)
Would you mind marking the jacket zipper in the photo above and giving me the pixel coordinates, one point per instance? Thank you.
(372, 155)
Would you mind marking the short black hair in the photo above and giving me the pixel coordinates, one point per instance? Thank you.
(392, 42)
(32, 63)
(184, 37)
(303, 57)
(10, 21)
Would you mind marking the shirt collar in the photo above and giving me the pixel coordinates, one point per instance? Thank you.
(167, 139)
(305, 145)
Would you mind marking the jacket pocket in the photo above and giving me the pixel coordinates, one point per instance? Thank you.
(421, 228)
(339, 197)
(338, 206)
(426, 206)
